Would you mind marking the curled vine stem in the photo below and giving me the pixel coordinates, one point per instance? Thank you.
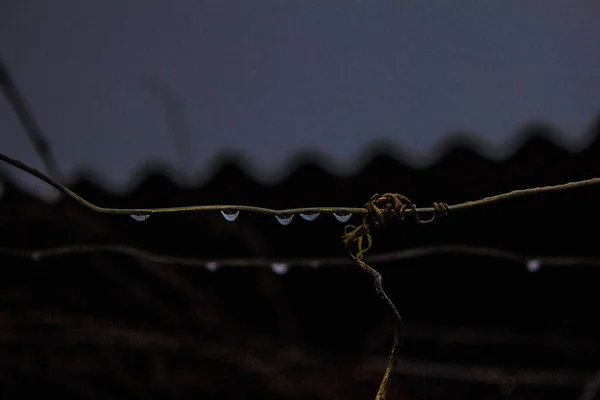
(381, 210)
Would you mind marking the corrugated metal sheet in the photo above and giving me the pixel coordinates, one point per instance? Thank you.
(184, 83)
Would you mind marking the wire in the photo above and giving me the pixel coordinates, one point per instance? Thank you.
(532, 262)
(306, 210)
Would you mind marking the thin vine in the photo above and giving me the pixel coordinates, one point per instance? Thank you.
(269, 211)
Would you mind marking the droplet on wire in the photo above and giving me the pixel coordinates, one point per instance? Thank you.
(284, 219)
(534, 265)
(342, 217)
(230, 215)
(279, 268)
(140, 217)
(212, 266)
(310, 216)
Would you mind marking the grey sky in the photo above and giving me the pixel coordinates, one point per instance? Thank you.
(271, 78)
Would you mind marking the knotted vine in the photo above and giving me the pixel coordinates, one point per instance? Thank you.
(380, 211)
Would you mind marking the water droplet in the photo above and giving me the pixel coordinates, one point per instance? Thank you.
(342, 217)
(279, 268)
(314, 263)
(212, 266)
(140, 217)
(230, 215)
(36, 256)
(310, 216)
(284, 219)
(533, 265)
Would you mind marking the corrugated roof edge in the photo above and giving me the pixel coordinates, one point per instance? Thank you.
(531, 134)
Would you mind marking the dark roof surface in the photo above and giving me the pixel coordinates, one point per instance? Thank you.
(106, 325)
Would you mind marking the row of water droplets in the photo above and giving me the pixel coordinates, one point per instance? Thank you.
(282, 219)
(279, 268)
(282, 268)
(287, 218)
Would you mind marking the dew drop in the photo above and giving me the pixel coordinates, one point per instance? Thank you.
(342, 217)
(140, 217)
(279, 268)
(212, 266)
(230, 215)
(310, 217)
(314, 264)
(284, 219)
(534, 265)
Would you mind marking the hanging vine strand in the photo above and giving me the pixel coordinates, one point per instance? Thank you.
(380, 211)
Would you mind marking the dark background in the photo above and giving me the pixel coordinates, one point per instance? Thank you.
(105, 325)
(107, 317)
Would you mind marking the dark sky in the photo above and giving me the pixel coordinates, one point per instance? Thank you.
(110, 81)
